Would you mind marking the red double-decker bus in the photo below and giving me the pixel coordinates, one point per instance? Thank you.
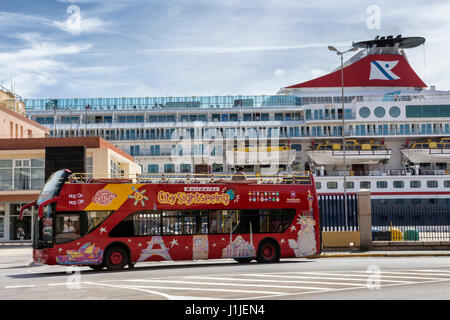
(117, 222)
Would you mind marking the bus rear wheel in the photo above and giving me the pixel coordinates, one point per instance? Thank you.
(115, 258)
(268, 252)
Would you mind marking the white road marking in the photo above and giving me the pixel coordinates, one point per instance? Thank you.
(279, 281)
(231, 284)
(321, 277)
(382, 275)
(210, 289)
(21, 286)
(416, 273)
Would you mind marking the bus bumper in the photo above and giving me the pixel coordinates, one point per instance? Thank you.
(41, 256)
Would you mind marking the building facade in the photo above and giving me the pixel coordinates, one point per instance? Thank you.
(22, 173)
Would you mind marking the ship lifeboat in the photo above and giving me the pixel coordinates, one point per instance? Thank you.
(261, 155)
(428, 152)
(355, 153)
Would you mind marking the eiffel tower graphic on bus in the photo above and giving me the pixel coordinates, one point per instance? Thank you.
(161, 249)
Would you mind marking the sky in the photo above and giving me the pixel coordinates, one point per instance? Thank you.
(131, 48)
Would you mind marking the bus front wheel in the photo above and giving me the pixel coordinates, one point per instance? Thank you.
(268, 252)
(115, 258)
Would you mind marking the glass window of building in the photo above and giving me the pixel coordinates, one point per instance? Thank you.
(19, 229)
(2, 220)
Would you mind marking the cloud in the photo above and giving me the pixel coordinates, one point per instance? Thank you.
(215, 50)
(75, 23)
(38, 63)
(85, 25)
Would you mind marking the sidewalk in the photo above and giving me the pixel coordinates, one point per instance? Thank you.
(379, 253)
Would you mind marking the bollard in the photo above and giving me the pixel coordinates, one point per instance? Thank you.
(365, 219)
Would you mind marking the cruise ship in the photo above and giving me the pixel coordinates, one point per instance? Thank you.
(396, 129)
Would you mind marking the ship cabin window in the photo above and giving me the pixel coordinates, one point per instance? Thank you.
(432, 184)
(399, 184)
(364, 112)
(382, 184)
(319, 185)
(332, 185)
(379, 112)
(350, 184)
(447, 184)
(415, 184)
(364, 184)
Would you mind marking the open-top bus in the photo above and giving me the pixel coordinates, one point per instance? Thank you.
(117, 222)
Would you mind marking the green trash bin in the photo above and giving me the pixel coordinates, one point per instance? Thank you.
(411, 235)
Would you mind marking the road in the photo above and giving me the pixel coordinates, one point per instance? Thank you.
(320, 278)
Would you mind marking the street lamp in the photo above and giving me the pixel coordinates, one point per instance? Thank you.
(341, 54)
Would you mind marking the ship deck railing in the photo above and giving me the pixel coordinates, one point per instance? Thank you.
(379, 173)
(193, 178)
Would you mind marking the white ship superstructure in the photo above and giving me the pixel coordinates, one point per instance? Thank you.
(395, 127)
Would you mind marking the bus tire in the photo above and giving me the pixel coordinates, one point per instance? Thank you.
(268, 251)
(243, 260)
(116, 258)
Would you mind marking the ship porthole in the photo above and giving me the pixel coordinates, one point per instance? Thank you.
(394, 112)
(379, 112)
(364, 112)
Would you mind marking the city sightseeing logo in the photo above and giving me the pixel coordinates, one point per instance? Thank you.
(187, 199)
(104, 197)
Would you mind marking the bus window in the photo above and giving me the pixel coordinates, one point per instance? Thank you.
(95, 218)
(72, 225)
(147, 223)
(172, 223)
(67, 227)
(223, 221)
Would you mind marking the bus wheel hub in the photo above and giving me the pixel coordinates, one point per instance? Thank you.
(116, 258)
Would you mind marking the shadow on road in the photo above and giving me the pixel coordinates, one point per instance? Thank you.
(63, 271)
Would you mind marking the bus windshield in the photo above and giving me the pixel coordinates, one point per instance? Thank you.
(53, 186)
(43, 227)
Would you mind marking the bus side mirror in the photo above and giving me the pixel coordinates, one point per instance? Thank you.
(24, 207)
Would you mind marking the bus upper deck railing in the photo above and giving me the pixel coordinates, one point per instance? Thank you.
(193, 178)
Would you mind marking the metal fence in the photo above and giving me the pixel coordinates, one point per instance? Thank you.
(332, 212)
(423, 224)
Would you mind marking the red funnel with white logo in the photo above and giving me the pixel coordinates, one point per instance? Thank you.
(373, 70)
